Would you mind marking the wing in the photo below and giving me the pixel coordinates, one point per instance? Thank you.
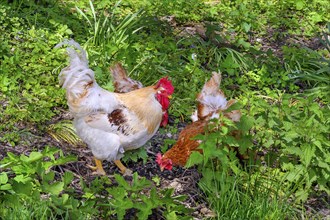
(120, 121)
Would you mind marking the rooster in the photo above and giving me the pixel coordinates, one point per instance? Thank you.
(111, 123)
(211, 102)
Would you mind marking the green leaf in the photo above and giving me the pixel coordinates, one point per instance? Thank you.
(34, 156)
(246, 27)
(5, 187)
(117, 192)
(22, 178)
(171, 216)
(122, 182)
(156, 180)
(54, 189)
(46, 177)
(300, 4)
(315, 17)
(195, 158)
(290, 135)
(67, 178)
(3, 178)
(23, 188)
(246, 123)
(308, 153)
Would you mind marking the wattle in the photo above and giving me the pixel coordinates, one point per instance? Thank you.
(163, 100)
(164, 119)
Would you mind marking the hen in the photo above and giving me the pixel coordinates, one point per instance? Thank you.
(211, 102)
(111, 123)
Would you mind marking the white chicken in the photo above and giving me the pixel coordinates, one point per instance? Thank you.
(111, 123)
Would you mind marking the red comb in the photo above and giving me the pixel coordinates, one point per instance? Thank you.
(166, 84)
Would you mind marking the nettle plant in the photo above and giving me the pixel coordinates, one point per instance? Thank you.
(29, 92)
(293, 131)
(142, 196)
(31, 188)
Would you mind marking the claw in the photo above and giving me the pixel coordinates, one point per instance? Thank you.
(123, 169)
(127, 172)
(98, 169)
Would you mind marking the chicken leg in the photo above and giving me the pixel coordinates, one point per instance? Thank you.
(123, 169)
(98, 168)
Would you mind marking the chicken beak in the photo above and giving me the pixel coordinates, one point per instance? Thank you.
(161, 169)
(169, 97)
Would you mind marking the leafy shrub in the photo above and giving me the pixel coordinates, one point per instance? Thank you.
(28, 88)
(30, 188)
(297, 129)
(128, 196)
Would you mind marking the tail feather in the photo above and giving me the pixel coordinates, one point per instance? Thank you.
(211, 99)
(121, 81)
(76, 77)
(74, 56)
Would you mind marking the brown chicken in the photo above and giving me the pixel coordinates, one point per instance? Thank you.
(211, 102)
(111, 123)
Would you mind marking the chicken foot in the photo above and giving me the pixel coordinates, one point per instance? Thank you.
(123, 169)
(98, 169)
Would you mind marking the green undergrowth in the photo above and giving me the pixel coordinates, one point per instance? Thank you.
(283, 91)
(30, 187)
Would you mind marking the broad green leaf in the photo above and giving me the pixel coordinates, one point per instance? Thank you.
(269, 143)
(34, 156)
(22, 178)
(289, 136)
(301, 195)
(3, 178)
(46, 177)
(246, 27)
(308, 153)
(246, 123)
(67, 178)
(5, 187)
(54, 188)
(294, 150)
(299, 4)
(23, 188)
(195, 158)
(117, 192)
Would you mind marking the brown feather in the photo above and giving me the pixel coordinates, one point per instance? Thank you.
(181, 151)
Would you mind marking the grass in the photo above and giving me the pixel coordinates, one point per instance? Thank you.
(254, 196)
